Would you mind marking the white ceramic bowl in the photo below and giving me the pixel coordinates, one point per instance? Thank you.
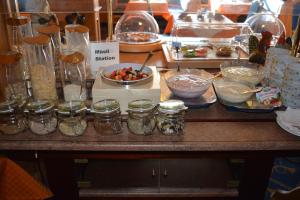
(189, 84)
(232, 91)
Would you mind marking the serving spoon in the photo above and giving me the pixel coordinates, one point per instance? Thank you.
(252, 90)
(150, 54)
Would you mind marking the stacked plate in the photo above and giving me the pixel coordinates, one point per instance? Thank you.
(290, 89)
(277, 61)
(289, 120)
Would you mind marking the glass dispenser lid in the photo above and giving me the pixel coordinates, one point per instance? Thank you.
(39, 106)
(171, 106)
(70, 107)
(106, 106)
(142, 105)
(8, 107)
(137, 27)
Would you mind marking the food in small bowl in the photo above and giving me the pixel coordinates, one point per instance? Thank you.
(242, 71)
(224, 51)
(188, 85)
(232, 91)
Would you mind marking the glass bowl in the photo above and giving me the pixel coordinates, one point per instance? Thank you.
(188, 83)
(137, 28)
(242, 71)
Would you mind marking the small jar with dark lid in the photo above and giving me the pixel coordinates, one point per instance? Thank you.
(107, 117)
(41, 117)
(170, 118)
(12, 120)
(141, 117)
(71, 117)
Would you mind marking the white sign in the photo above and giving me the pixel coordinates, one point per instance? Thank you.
(103, 54)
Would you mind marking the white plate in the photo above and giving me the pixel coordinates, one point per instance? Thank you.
(288, 127)
(135, 66)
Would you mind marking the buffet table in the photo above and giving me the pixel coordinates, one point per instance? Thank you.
(210, 132)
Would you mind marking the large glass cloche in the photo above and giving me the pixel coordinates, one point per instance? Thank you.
(266, 22)
(136, 28)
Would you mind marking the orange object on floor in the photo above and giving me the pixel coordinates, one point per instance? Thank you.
(17, 184)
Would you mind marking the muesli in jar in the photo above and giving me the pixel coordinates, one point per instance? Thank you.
(170, 119)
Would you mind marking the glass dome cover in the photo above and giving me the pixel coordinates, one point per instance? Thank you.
(137, 27)
(266, 22)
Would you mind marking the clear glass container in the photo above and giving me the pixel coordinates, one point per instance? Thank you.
(107, 117)
(13, 85)
(77, 38)
(137, 27)
(12, 120)
(141, 117)
(170, 118)
(53, 32)
(19, 27)
(266, 22)
(71, 117)
(41, 117)
(73, 76)
(41, 65)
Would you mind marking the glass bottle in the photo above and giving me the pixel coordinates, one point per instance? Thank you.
(53, 32)
(71, 117)
(12, 120)
(107, 117)
(141, 119)
(41, 65)
(73, 76)
(41, 117)
(19, 27)
(170, 118)
(77, 38)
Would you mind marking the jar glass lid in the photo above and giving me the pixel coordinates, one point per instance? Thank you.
(69, 107)
(39, 106)
(8, 107)
(106, 106)
(141, 105)
(172, 106)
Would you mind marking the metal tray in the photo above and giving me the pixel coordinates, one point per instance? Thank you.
(211, 54)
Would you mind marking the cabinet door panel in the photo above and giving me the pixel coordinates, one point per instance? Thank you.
(194, 173)
(121, 173)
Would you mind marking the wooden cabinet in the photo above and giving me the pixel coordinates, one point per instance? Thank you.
(155, 177)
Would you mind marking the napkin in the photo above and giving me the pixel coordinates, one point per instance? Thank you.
(17, 184)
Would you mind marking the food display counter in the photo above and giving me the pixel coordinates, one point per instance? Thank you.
(212, 131)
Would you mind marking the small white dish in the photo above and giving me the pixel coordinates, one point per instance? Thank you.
(289, 120)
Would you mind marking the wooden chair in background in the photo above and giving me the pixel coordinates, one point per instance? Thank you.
(287, 195)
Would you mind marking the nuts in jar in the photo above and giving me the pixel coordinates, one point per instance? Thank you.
(170, 119)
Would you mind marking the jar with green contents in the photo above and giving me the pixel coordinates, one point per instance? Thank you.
(71, 117)
(141, 118)
(170, 119)
(12, 121)
(107, 117)
(41, 117)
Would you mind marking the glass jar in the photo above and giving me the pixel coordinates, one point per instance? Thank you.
(107, 117)
(170, 119)
(71, 117)
(41, 65)
(141, 119)
(77, 38)
(53, 32)
(41, 117)
(12, 121)
(13, 85)
(73, 76)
